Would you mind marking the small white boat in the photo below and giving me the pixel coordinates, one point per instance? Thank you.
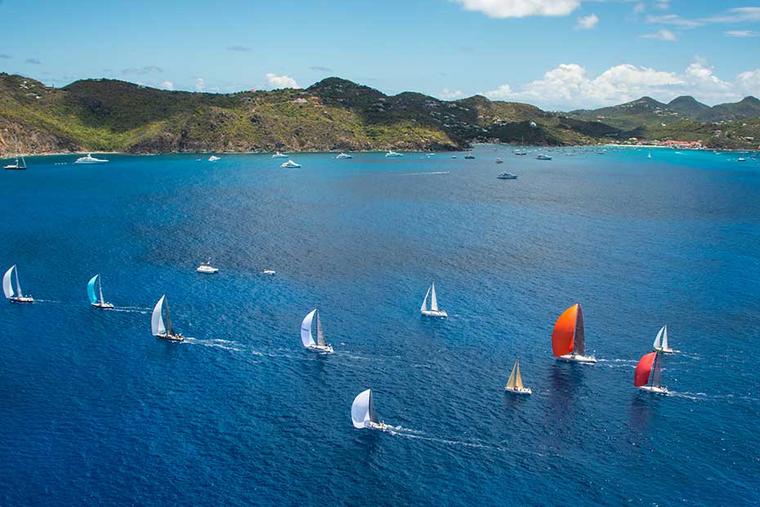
(269, 272)
(363, 414)
(279, 155)
(648, 372)
(307, 338)
(19, 164)
(95, 293)
(543, 157)
(393, 154)
(14, 296)
(433, 310)
(515, 383)
(214, 158)
(568, 337)
(89, 159)
(343, 156)
(741, 159)
(649, 155)
(521, 153)
(290, 165)
(207, 268)
(162, 328)
(661, 341)
(507, 176)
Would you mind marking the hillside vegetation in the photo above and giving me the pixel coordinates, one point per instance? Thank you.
(333, 114)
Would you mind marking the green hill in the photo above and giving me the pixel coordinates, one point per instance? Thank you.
(333, 114)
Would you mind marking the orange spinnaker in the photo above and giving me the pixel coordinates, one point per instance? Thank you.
(644, 369)
(563, 336)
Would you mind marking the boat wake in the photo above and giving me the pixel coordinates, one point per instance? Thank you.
(688, 396)
(215, 343)
(617, 363)
(433, 173)
(131, 309)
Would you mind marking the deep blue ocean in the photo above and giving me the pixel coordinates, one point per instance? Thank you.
(95, 411)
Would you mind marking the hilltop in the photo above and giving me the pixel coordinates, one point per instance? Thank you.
(333, 114)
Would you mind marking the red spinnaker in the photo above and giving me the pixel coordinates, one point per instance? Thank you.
(563, 336)
(644, 369)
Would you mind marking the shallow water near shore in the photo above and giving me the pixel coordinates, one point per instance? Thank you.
(97, 411)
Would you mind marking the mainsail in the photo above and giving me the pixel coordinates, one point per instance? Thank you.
(7, 283)
(320, 332)
(433, 298)
(91, 289)
(568, 335)
(423, 308)
(306, 338)
(518, 377)
(157, 326)
(363, 410)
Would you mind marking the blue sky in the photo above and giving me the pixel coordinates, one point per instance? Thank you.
(555, 53)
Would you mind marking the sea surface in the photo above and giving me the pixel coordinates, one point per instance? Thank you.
(95, 411)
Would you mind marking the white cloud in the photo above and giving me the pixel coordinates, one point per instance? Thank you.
(664, 35)
(276, 81)
(639, 8)
(587, 22)
(520, 8)
(167, 85)
(447, 94)
(569, 86)
(735, 15)
(200, 84)
(663, 5)
(742, 33)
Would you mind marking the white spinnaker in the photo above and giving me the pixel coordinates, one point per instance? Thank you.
(157, 326)
(306, 338)
(361, 410)
(7, 284)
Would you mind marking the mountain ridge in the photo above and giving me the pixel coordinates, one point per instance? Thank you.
(332, 114)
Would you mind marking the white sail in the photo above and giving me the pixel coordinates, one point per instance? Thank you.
(100, 291)
(306, 338)
(433, 299)
(423, 308)
(518, 376)
(511, 380)
(7, 284)
(661, 340)
(157, 319)
(362, 411)
(320, 332)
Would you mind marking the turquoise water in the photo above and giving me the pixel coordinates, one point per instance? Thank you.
(97, 411)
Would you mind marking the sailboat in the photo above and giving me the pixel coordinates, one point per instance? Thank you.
(17, 166)
(363, 414)
(214, 158)
(89, 159)
(342, 156)
(307, 338)
(290, 165)
(433, 311)
(393, 154)
(648, 372)
(14, 296)
(515, 383)
(661, 341)
(649, 155)
(95, 293)
(279, 155)
(207, 268)
(568, 337)
(160, 327)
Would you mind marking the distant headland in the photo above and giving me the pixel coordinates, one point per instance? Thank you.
(337, 115)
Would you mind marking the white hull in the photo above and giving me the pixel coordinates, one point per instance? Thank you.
(102, 306)
(516, 390)
(378, 426)
(21, 299)
(439, 314)
(577, 358)
(324, 349)
(269, 272)
(14, 167)
(653, 389)
(666, 351)
(207, 270)
(171, 337)
(84, 160)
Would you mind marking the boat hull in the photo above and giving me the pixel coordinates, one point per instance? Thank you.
(526, 391)
(324, 349)
(171, 337)
(207, 271)
(439, 314)
(666, 351)
(654, 389)
(14, 168)
(102, 306)
(576, 358)
(21, 299)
